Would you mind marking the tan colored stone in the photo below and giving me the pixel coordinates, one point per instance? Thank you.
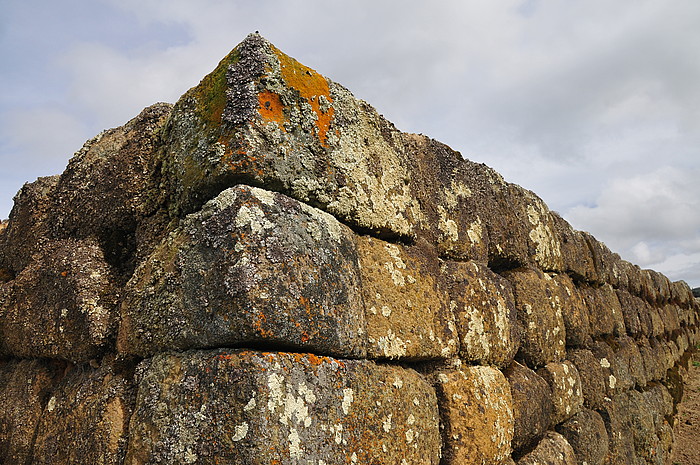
(241, 407)
(407, 307)
(567, 396)
(540, 316)
(552, 449)
(476, 407)
(485, 315)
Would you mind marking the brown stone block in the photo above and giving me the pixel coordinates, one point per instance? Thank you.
(242, 407)
(484, 310)
(574, 311)
(25, 386)
(62, 305)
(621, 450)
(630, 313)
(553, 448)
(616, 374)
(28, 225)
(86, 418)
(593, 382)
(407, 308)
(251, 267)
(565, 383)
(476, 409)
(653, 359)
(611, 305)
(587, 435)
(638, 417)
(576, 255)
(532, 405)
(629, 353)
(600, 316)
(540, 316)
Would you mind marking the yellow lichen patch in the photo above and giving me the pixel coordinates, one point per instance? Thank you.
(271, 108)
(312, 87)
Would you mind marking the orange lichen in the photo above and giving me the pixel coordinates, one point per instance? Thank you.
(311, 86)
(271, 108)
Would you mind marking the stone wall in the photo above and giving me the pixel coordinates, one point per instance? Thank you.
(270, 272)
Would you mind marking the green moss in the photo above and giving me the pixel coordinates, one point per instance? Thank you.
(210, 94)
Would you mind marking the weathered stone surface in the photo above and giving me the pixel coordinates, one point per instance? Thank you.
(553, 449)
(586, 433)
(24, 389)
(599, 315)
(28, 226)
(532, 405)
(62, 304)
(86, 418)
(484, 310)
(592, 378)
(477, 416)
(407, 308)
(109, 187)
(574, 311)
(243, 407)
(540, 316)
(637, 415)
(251, 267)
(629, 352)
(629, 305)
(576, 256)
(616, 374)
(565, 383)
(611, 305)
(621, 450)
(263, 118)
(654, 367)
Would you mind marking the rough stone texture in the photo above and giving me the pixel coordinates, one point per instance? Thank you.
(629, 352)
(86, 419)
(24, 389)
(62, 304)
(616, 372)
(586, 433)
(592, 377)
(532, 405)
(629, 305)
(406, 307)
(552, 449)
(484, 310)
(28, 226)
(565, 383)
(574, 311)
(477, 417)
(576, 256)
(243, 407)
(599, 314)
(253, 266)
(540, 316)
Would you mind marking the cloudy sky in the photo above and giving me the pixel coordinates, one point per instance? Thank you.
(592, 104)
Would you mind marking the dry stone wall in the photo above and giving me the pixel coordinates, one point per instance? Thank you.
(270, 272)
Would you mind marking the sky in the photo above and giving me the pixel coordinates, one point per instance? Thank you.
(593, 105)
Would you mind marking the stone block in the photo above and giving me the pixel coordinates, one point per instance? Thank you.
(240, 407)
(484, 311)
(629, 353)
(654, 367)
(600, 315)
(61, 305)
(565, 383)
(532, 405)
(407, 309)
(616, 374)
(29, 224)
(587, 435)
(86, 418)
(638, 418)
(629, 305)
(553, 449)
(611, 305)
(576, 256)
(540, 316)
(252, 267)
(25, 386)
(574, 311)
(477, 416)
(593, 383)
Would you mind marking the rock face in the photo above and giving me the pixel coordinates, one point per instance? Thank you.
(268, 271)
